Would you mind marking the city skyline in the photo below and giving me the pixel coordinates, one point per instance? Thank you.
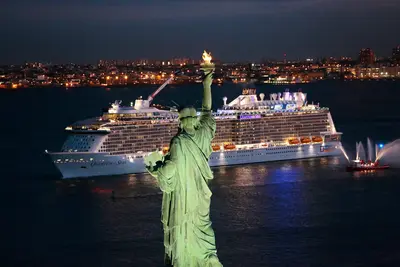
(86, 31)
(392, 54)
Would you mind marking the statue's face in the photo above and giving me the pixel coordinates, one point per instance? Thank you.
(188, 119)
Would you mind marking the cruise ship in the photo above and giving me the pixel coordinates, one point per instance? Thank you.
(250, 129)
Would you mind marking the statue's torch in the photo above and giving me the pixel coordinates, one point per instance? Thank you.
(206, 65)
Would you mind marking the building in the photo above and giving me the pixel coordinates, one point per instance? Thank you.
(181, 61)
(367, 56)
(375, 72)
(396, 54)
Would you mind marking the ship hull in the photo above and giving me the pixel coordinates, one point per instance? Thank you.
(79, 165)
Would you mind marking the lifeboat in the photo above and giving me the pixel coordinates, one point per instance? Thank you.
(229, 146)
(216, 147)
(294, 141)
(305, 140)
(264, 145)
(317, 139)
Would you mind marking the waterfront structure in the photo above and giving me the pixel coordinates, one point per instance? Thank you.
(367, 56)
(396, 54)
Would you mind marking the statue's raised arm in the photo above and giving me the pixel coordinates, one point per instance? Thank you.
(208, 69)
(207, 98)
(207, 122)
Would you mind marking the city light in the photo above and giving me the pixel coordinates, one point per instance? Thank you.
(280, 72)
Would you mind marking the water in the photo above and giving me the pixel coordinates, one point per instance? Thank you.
(298, 213)
(361, 155)
(357, 151)
(371, 152)
(390, 153)
(345, 154)
(360, 151)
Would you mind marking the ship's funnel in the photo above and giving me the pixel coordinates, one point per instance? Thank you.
(262, 96)
(225, 99)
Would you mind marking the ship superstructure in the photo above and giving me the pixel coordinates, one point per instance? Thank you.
(250, 129)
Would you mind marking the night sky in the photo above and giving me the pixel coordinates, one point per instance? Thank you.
(83, 31)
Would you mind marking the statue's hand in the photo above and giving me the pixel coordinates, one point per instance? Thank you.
(152, 169)
(207, 81)
(152, 158)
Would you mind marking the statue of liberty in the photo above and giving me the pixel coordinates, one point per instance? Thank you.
(183, 176)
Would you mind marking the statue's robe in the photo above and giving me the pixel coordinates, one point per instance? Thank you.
(183, 177)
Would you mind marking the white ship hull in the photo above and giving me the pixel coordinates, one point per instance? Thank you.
(75, 165)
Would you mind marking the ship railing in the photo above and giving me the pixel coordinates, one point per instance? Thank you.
(269, 113)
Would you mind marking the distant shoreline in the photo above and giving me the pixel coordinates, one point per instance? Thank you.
(193, 83)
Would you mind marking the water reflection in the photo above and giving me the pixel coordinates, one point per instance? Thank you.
(224, 176)
(335, 161)
(370, 173)
(286, 173)
(137, 181)
(222, 170)
(324, 161)
(73, 186)
(242, 175)
(274, 172)
(312, 162)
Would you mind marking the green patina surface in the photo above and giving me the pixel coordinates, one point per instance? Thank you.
(183, 176)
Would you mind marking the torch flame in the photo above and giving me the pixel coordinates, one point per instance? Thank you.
(206, 57)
